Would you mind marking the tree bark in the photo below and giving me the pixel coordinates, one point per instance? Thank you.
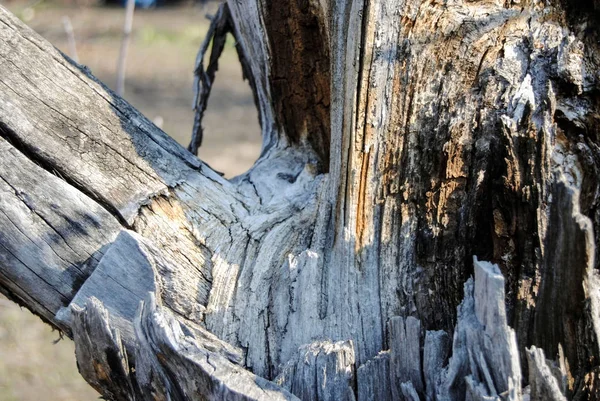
(400, 138)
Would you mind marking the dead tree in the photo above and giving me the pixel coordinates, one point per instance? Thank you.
(400, 138)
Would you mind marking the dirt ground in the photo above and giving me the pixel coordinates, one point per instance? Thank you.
(159, 83)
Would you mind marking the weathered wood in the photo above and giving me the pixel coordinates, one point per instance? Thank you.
(545, 385)
(373, 379)
(405, 356)
(101, 357)
(216, 36)
(52, 235)
(68, 122)
(114, 336)
(171, 362)
(320, 371)
(450, 142)
(436, 350)
(407, 137)
(485, 358)
(195, 219)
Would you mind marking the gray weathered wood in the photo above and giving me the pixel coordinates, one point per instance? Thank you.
(64, 119)
(436, 350)
(405, 356)
(484, 350)
(399, 139)
(170, 361)
(321, 371)
(542, 380)
(52, 235)
(108, 324)
(373, 378)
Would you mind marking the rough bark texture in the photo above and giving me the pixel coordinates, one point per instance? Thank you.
(400, 138)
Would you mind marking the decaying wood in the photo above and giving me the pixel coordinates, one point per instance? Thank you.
(400, 138)
(216, 37)
(320, 371)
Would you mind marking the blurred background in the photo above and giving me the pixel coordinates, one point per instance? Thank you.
(158, 81)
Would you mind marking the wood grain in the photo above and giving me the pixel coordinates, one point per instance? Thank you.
(455, 129)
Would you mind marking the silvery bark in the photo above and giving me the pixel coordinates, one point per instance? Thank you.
(400, 138)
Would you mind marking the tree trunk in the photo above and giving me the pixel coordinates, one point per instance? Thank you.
(400, 138)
